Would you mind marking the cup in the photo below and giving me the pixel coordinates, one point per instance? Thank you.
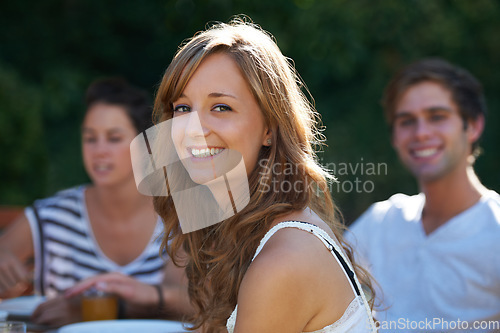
(99, 305)
(12, 327)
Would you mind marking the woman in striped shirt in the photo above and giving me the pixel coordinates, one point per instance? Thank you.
(106, 231)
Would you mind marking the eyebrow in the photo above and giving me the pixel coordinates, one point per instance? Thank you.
(214, 95)
(432, 109)
(217, 94)
(111, 131)
(438, 108)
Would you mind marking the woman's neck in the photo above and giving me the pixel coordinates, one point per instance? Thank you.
(118, 201)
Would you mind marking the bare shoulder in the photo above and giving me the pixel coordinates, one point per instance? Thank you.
(274, 295)
(294, 284)
(17, 237)
(306, 215)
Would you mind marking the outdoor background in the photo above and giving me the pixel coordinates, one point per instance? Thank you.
(345, 51)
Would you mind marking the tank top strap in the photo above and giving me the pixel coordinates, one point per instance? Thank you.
(322, 235)
(334, 249)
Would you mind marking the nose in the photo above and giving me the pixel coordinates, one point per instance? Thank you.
(197, 125)
(101, 147)
(422, 129)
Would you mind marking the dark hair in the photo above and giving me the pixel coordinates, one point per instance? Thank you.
(117, 91)
(466, 90)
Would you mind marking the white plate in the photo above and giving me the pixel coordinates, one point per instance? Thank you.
(21, 306)
(125, 326)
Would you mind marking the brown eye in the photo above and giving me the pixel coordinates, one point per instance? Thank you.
(222, 108)
(404, 122)
(438, 117)
(89, 139)
(115, 139)
(182, 108)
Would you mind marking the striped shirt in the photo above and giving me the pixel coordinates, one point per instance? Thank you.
(66, 250)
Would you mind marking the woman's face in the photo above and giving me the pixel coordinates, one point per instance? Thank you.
(106, 135)
(217, 113)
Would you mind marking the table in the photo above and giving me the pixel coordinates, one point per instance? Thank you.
(31, 327)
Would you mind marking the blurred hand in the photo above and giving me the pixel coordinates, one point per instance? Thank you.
(58, 311)
(126, 287)
(14, 278)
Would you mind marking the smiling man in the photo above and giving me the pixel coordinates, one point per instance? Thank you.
(435, 255)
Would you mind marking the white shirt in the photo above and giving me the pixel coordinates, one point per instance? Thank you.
(441, 281)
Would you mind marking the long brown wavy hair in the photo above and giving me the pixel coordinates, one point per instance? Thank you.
(219, 255)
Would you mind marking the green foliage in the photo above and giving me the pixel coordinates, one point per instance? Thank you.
(24, 164)
(345, 51)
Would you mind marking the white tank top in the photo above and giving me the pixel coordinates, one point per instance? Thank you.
(357, 317)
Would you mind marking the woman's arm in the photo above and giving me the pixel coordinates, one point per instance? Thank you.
(16, 246)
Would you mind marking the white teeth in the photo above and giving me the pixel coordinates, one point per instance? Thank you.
(206, 152)
(102, 167)
(425, 152)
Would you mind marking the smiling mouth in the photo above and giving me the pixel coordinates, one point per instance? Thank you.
(205, 152)
(423, 153)
(102, 167)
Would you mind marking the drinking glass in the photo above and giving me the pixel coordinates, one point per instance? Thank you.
(12, 327)
(98, 305)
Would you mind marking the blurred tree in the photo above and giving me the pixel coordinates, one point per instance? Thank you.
(24, 158)
(345, 51)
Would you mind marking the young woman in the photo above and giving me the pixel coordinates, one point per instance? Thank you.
(103, 232)
(279, 264)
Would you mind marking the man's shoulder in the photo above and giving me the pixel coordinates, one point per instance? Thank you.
(397, 203)
(492, 205)
(492, 197)
(391, 214)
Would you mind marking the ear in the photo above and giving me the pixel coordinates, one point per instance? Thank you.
(267, 140)
(475, 128)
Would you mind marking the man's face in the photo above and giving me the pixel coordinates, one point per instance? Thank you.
(428, 132)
